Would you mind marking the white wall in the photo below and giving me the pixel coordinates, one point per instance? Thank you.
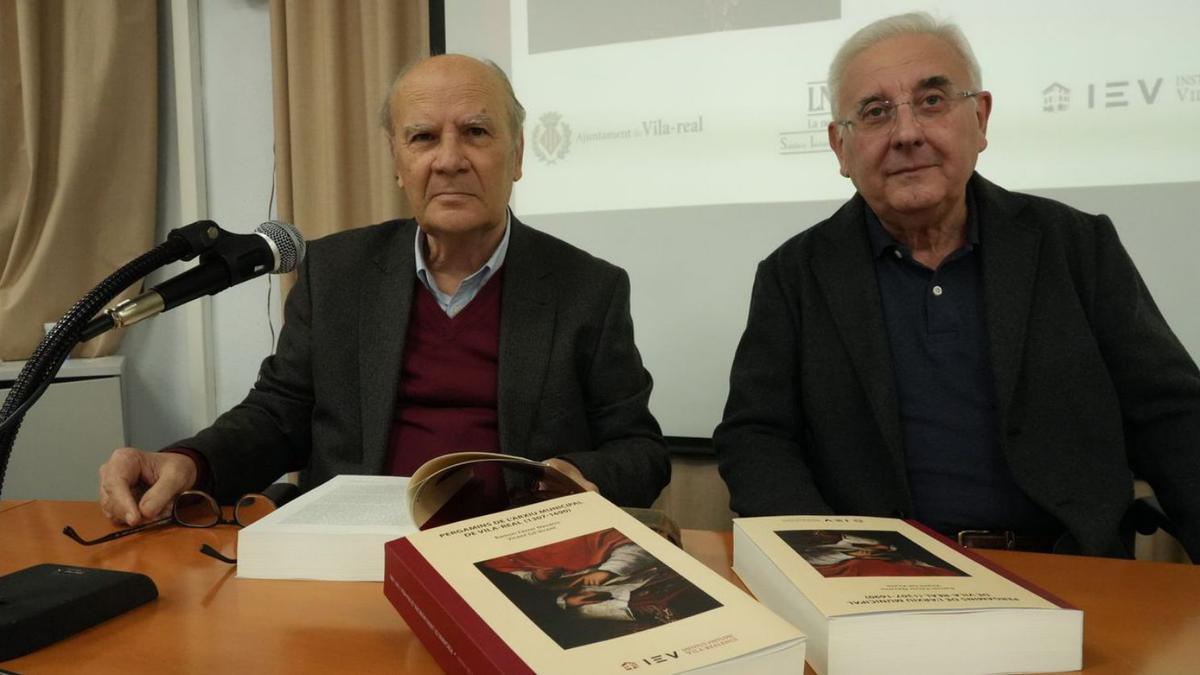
(235, 52)
(235, 100)
(156, 396)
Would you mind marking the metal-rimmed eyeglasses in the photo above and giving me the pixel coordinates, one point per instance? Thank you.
(194, 508)
(879, 115)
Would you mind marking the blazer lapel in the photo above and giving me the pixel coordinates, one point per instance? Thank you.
(527, 313)
(845, 275)
(385, 300)
(1010, 260)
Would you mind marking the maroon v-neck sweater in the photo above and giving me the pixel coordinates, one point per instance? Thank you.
(447, 396)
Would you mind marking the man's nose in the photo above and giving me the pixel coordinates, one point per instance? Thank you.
(906, 126)
(450, 157)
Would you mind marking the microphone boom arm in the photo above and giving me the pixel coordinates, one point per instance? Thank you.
(231, 260)
(182, 243)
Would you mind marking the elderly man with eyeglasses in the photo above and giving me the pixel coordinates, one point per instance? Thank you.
(987, 362)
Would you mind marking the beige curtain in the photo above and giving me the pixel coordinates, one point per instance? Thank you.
(333, 61)
(78, 156)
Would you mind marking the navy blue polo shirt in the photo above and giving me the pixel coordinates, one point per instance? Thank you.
(937, 331)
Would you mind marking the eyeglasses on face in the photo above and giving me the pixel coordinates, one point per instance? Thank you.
(192, 509)
(879, 115)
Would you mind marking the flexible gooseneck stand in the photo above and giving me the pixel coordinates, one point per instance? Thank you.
(183, 243)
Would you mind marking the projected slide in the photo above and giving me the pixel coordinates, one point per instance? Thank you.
(684, 140)
(635, 105)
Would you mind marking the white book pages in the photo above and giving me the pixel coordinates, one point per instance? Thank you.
(334, 532)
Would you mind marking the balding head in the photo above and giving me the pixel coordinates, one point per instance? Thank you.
(487, 70)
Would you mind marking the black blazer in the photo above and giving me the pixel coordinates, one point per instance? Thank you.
(571, 380)
(1093, 386)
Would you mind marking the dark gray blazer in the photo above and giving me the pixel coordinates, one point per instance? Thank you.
(1093, 385)
(571, 381)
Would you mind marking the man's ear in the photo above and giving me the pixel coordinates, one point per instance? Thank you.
(518, 156)
(837, 143)
(983, 111)
(392, 153)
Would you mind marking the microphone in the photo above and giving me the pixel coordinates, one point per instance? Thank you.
(273, 247)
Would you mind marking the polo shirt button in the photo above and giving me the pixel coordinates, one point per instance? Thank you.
(937, 290)
(897, 252)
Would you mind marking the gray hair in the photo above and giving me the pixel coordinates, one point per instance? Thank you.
(516, 111)
(913, 23)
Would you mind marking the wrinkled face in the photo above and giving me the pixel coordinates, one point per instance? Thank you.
(455, 156)
(917, 164)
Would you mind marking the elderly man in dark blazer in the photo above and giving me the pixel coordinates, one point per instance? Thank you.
(987, 362)
(460, 329)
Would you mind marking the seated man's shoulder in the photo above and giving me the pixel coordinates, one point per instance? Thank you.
(568, 259)
(802, 243)
(349, 253)
(797, 251)
(1042, 212)
(367, 237)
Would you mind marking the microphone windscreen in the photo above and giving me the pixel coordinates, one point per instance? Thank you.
(288, 243)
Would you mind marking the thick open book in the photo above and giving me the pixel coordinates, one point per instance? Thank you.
(880, 595)
(577, 585)
(336, 531)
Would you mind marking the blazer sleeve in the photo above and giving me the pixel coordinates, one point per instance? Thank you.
(629, 461)
(1156, 380)
(760, 443)
(270, 432)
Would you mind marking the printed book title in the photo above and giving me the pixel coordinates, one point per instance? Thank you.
(511, 521)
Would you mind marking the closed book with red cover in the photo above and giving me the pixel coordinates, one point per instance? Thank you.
(576, 585)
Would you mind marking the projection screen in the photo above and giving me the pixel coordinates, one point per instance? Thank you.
(685, 139)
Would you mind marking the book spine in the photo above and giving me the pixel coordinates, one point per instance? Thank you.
(419, 620)
(1007, 574)
(457, 637)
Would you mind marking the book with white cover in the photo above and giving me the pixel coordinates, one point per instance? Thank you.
(885, 595)
(577, 585)
(336, 531)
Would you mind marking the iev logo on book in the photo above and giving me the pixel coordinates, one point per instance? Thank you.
(660, 658)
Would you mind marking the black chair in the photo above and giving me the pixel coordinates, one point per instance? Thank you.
(1148, 517)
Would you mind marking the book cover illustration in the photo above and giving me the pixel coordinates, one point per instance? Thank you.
(866, 553)
(575, 585)
(881, 595)
(857, 564)
(594, 587)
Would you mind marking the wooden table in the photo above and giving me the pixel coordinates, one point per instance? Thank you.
(6, 504)
(1138, 617)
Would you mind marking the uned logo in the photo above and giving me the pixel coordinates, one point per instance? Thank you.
(551, 138)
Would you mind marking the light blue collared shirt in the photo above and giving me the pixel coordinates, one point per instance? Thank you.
(454, 303)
